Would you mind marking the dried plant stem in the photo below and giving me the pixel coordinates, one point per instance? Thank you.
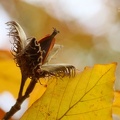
(20, 100)
(32, 57)
(24, 78)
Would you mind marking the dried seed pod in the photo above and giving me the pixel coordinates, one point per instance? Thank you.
(32, 55)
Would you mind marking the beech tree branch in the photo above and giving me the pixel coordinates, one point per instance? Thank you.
(17, 106)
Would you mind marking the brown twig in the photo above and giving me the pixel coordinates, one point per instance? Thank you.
(20, 100)
(31, 57)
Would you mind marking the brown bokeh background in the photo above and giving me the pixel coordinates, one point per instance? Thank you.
(81, 48)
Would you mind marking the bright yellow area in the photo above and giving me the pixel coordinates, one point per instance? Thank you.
(116, 103)
(37, 92)
(88, 96)
(10, 79)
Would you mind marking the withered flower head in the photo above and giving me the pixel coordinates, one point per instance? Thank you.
(32, 55)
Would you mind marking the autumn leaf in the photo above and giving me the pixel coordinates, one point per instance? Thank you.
(86, 97)
(116, 104)
(9, 77)
(37, 92)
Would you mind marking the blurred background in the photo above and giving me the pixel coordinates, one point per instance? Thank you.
(89, 32)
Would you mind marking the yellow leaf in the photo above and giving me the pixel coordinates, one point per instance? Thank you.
(116, 103)
(86, 97)
(37, 92)
(9, 77)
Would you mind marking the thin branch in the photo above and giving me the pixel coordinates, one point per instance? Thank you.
(17, 106)
(23, 80)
